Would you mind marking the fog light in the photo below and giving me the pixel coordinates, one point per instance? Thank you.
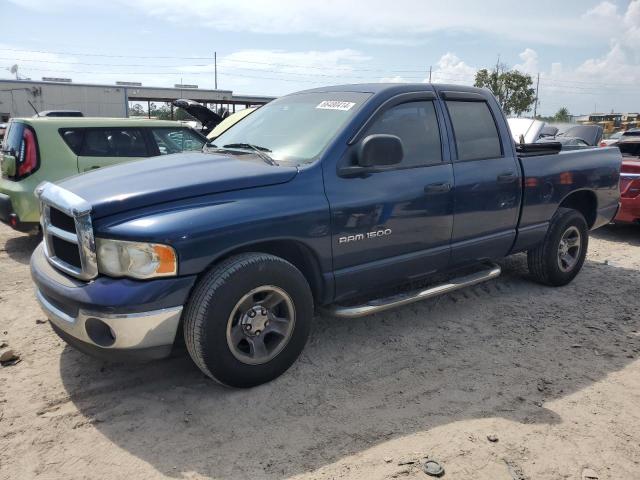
(99, 332)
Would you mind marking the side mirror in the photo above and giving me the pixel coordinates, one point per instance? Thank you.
(8, 165)
(379, 151)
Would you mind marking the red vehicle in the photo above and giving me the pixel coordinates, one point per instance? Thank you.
(629, 181)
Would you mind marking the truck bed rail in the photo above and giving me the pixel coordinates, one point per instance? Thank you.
(537, 149)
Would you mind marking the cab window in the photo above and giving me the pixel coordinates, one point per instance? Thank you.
(416, 124)
(475, 130)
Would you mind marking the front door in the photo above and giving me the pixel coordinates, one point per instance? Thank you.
(395, 225)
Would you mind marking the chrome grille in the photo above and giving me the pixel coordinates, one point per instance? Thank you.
(58, 241)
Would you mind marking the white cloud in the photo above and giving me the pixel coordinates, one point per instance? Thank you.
(631, 23)
(394, 79)
(402, 22)
(602, 10)
(450, 69)
(609, 78)
(31, 64)
(296, 69)
(529, 62)
(609, 81)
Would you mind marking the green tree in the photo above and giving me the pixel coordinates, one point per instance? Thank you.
(513, 89)
(562, 115)
(136, 110)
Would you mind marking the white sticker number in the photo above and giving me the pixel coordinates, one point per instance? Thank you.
(335, 105)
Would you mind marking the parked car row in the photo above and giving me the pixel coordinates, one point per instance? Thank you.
(529, 130)
(616, 137)
(53, 145)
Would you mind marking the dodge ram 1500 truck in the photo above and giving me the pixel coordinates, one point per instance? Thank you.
(320, 200)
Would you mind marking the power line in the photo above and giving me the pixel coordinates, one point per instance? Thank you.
(574, 87)
(187, 72)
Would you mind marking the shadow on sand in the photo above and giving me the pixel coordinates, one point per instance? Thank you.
(619, 233)
(20, 248)
(478, 353)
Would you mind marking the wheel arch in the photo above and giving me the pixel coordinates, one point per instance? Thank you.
(583, 201)
(293, 251)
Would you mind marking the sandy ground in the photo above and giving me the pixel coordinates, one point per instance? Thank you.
(553, 373)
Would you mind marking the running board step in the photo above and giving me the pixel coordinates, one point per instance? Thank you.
(387, 303)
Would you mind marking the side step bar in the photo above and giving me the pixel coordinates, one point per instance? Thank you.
(382, 304)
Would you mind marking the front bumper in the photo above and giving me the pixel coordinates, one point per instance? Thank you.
(146, 335)
(116, 319)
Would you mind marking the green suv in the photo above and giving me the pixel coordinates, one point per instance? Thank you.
(53, 148)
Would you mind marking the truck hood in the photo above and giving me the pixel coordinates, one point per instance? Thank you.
(156, 180)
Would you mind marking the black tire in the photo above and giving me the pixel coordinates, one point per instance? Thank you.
(543, 261)
(216, 297)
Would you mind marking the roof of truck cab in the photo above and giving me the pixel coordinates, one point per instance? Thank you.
(395, 87)
(62, 122)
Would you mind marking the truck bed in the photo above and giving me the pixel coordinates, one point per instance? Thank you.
(549, 178)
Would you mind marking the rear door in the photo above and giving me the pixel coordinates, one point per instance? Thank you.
(394, 225)
(488, 187)
(101, 147)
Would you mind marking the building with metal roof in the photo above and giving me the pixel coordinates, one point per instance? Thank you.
(105, 100)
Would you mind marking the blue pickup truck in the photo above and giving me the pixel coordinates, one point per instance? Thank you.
(347, 199)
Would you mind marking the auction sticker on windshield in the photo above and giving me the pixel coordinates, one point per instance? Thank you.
(335, 105)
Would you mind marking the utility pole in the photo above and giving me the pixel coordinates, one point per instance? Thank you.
(535, 107)
(430, 73)
(215, 68)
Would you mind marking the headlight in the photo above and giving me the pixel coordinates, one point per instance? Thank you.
(119, 258)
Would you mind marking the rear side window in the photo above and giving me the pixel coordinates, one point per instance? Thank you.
(73, 138)
(176, 140)
(416, 125)
(107, 142)
(475, 130)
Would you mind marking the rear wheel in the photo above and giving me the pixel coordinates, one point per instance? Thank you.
(559, 258)
(248, 319)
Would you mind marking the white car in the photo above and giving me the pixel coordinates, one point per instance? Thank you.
(611, 139)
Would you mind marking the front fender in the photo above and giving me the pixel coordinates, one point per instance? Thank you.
(204, 228)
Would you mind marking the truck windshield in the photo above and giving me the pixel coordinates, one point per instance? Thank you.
(294, 129)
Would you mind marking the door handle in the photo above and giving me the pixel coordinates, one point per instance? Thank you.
(437, 188)
(507, 177)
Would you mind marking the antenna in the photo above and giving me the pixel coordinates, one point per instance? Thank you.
(34, 108)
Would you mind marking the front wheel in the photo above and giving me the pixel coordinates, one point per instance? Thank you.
(248, 319)
(559, 258)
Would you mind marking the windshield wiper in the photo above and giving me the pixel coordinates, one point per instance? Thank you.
(260, 151)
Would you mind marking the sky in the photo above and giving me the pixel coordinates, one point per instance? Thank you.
(587, 52)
